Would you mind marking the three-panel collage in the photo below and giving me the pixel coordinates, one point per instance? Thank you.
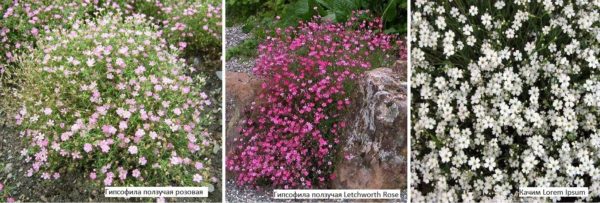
(299, 101)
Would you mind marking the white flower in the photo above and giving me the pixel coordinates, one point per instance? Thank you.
(445, 154)
(90, 62)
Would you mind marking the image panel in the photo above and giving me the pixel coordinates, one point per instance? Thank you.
(504, 96)
(316, 96)
(118, 93)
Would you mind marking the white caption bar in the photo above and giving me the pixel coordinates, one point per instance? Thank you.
(337, 194)
(156, 192)
(553, 192)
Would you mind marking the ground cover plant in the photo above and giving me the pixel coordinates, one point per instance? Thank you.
(111, 98)
(505, 96)
(290, 134)
(104, 92)
(193, 26)
(23, 23)
(260, 17)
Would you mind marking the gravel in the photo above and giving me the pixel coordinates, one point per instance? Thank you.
(236, 36)
(241, 65)
(237, 193)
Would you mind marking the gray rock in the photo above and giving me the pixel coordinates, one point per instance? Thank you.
(374, 143)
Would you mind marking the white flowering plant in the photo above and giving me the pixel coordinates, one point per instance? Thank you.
(108, 99)
(505, 94)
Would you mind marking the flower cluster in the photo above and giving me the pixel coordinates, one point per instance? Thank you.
(108, 97)
(506, 95)
(192, 26)
(22, 23)
(290, 135)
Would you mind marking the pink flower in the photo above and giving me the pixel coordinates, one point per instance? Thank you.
(87, 147)
(104, 146)
(47, 111)
(1, 187)
(124, 50)
(93, 175)
(133, 150)
(178, 26)
(176, 160)
(142, 161)
(140, 132)
(136, 173)
(139, 70)
(177, 111)
(109, 178)
(35, 31)
(198, 178)
(182, 45)
(10, 200)
(123, 125)
(199, 165)
(109, 130)
(122, 173)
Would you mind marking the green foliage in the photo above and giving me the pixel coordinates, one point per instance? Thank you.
(246, 49)
(393, 12)
(247, 8)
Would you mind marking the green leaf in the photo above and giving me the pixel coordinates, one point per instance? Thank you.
(324, 4)
(330, 16)
(390, 11)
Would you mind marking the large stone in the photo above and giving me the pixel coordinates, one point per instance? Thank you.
(373, 153)
(242, 89)
(401, 68)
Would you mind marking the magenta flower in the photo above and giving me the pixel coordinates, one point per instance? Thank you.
(295, 128)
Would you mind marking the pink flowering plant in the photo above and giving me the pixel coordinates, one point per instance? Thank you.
(108, 99)
(192, 26)
(22, 23)
(290, 135)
